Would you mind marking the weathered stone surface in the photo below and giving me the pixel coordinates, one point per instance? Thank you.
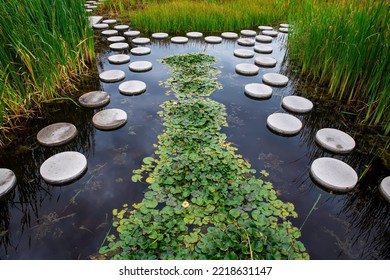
(384, 188)
(57, 134)
(100, 25)
(297, 104)
(265, 27)
(259, 91)
(179, 40)
(160, 35)
(229, 35)
(94, 20)
(263, 39)
(63, 168)
(284, 124)
(140, 51)
(248, 33)
(116, 39)
(284, 25)
(275, 79)
(265, 61)
(119, 46)
(140, 66)
(247, 69)
(94, 99)
(213, 39)
(263, 49)
(243, 53)
(271, 33)
(110, 21)
(283, 29)
(121, 27)
(110, 32)
(335, 140)
(141, 41)
(246, 42)
(132, 33)
(109, 119)
(132, 87)
(119, 58)
(333, 174)
(194, 35)
(112, 76)
(7, 181)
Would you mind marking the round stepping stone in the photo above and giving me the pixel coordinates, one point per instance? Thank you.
(263, 49)
(112, 76)
(179, 40)
(284, 25)
(88, 10)
(94, 99)
(7, 181)
(109, 21)
(63, 167)
(335, 140)
(265, 61)
(100, 25)
(119, 46)
(132, 33)
(275, 79)
(265, 27)
(259, 91)
(284, 124)
(160, 35)
(115, 39)
(194, 35)
(246, 42)
(140, 51)
(109, 119)
(271, 33)
(121, 27)
(248, 33)
(119, 58)
(263, 38)
(333, 174)
(140, 66)
(132, 87)
(141, 41)
(213, 39)
(297, 104)
(243, 53)
(57, 134)
(229, 35)
(384, 188)
(110, 32)
(247, 69)
(283, 30)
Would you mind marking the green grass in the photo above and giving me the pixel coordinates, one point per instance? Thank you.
(44, 46)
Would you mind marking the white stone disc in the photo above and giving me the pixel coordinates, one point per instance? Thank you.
(248, 33)
(116, 39)
(100, 25)
(271, 33)
(140, 66)
(110, 32)
(263, 38)
(265, 61)
(194, 35)
(283, 30)
(283, 123)
(140, 51)
(160, 35)
(132, 87)
(141, 41)
(57, 134)
(229, 35)
(246, 42)
(297, 104)
(265, 27)
(179, 40)
(109, 21)
(263, 49)
(284, 25)
(132, 33)
(259, 91)
(335, 140)
(275, 79)
(119, 46)
(94, 99)
(88, 10)
(112, 76)
(119, 58)
(384, 188)
(63, 167)
(7, 181)
(243, 53)
(121, 27)
(109, 119)
(333, 174)
(213, 39)
(247, 69)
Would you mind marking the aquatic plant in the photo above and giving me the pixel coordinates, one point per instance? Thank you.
(203, 200)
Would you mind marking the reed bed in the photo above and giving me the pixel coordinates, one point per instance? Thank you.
(44, 47)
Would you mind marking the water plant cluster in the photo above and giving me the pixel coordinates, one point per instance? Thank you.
(44, 48)
(203, 200)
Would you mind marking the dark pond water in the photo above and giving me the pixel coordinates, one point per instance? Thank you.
(40, 221)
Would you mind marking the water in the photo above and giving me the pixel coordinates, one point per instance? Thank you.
(40, 221)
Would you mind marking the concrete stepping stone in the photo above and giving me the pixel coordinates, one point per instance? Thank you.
(265, 27)
(140, 51)
(275, 79)
(116, 39)
(140, 66)
(132, 33)
(94, 99)
(111, 76)
(88, 10)
(7, 181)
(265, 61)
(110, 32)
(119, 58)
(63, 168)
(335, 140)
(297, 104)
(57, 134)
(179, 40)
(247, 69)
(94, 20)
(110, 21)
(109, 119)
(246, 42)
(283, 29)
(213, 39)
(271, 33)
(141, 41)
(121, 27)
(229, 35)
(384, 188)
(258, 91)
(284, 124)
(100, 26)
(333, 174)
(160, 35)
(263, 49)
(284, 25)
(248, 33)
(119, 46)
(263, 38)
(244, 53)
(133, 87)
(194, 35)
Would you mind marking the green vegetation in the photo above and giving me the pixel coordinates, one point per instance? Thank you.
(44, 46)
(203, 199)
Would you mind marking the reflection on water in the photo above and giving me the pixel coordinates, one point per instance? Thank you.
(39, 221)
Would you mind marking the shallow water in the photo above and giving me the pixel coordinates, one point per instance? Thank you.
(40, 221)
